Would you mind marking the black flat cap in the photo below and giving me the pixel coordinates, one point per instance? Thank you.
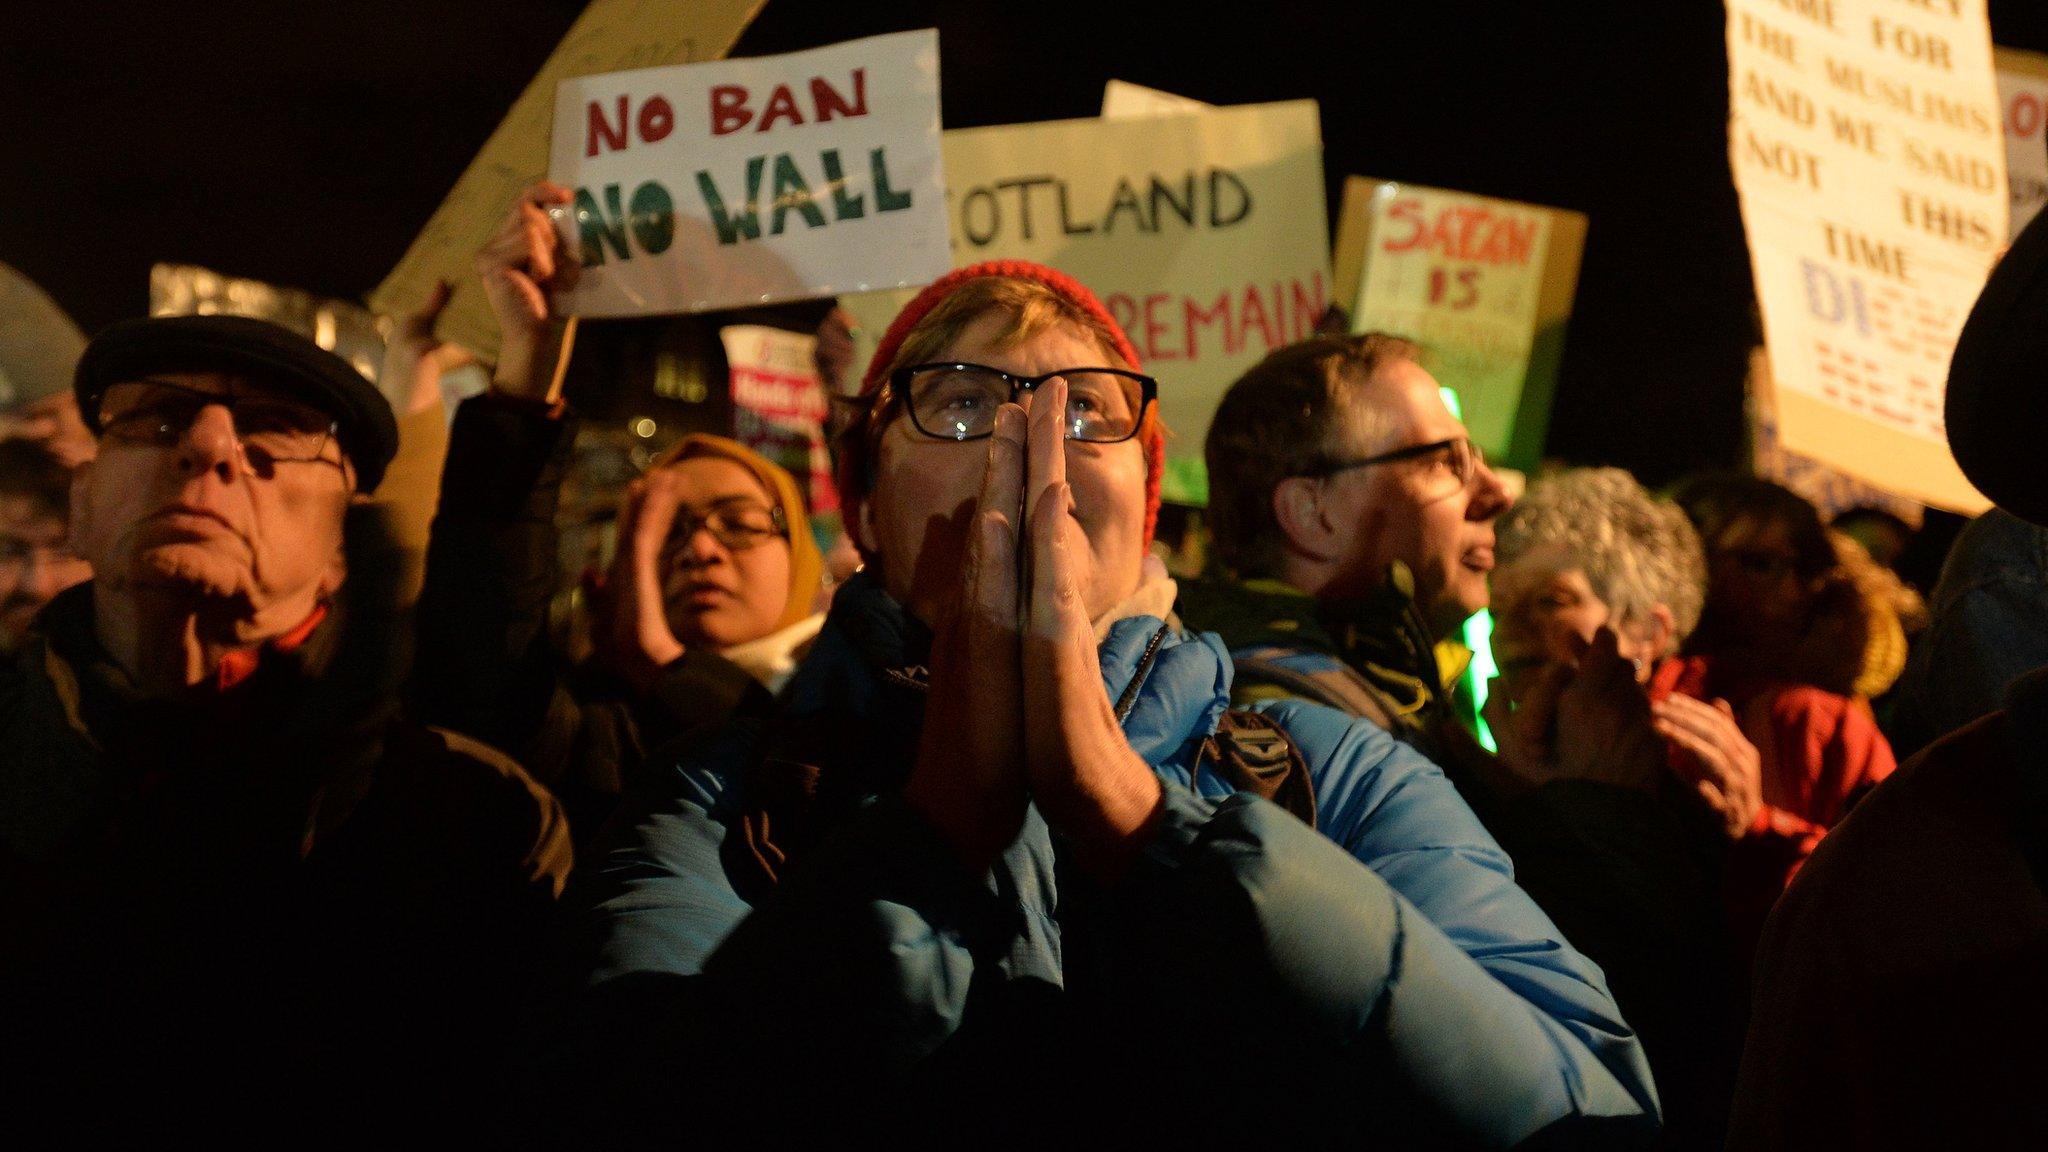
(1997, 405)
(256, 349)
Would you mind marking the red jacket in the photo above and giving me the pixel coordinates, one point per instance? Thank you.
(1820, 752)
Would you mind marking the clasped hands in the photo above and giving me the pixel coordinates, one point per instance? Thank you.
(1588, 719)
(1016, 711)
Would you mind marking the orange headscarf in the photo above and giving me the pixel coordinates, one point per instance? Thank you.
(806, 563)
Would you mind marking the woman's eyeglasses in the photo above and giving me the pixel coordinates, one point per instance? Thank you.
(959, 401)
(738, 524)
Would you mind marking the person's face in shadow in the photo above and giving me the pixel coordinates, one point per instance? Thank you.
(35, 562)
(725, 575)
(917, 518)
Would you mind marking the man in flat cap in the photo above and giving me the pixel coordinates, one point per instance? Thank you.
(225, 864)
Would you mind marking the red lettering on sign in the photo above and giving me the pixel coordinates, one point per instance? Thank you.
(781, 106)
(2024, 115)
(657, 120)
(1469, 232)
(1194, 315)
(612, 136)
(1154, 327)
(1249, 319)
(830, 103)
(1253, 306)
(729, 111)
(1407, 213)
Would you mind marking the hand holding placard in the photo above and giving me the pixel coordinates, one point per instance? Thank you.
(610, 35)
(521, 266)
(751, 181)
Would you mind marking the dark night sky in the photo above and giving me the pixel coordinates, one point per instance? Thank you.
(305, 144)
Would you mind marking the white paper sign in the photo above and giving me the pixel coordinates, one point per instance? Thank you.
(1864, 136)
(2023, 99)
(779, 405)
(743, 182)
(1462, 274)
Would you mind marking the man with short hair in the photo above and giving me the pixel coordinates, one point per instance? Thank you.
(1340, 478)
(35, 562)
(223, 860)
(1357, 519)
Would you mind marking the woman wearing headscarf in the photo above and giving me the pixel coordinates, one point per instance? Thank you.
(710, 598)
(1002, 864)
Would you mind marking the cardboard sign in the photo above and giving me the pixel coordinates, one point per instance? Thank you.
(753, 181)
(1484, 285)
(610, 35)
(2023, 102)
(1203, 233)
(1123, 100)
(1864, 136)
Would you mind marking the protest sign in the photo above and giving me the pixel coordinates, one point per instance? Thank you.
(1203, 233)
(2023, 101)
(1123, 100)
(1484, 285)
(754, 181)
(1864, 136)
(779, 408)
(611, 35)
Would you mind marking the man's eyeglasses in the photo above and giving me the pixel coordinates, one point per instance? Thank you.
(1463, 458)
(271, 430)
(959, 401)
(738, 524)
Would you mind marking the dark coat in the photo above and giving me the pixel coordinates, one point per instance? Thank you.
(275, 889)
(1986, 631)
(1902, 984)
(485, 666)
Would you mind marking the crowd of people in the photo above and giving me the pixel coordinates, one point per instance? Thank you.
(313, 827)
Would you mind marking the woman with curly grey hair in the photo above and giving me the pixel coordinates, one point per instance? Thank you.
(1589, 549)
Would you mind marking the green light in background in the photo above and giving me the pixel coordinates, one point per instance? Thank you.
(1478, 637)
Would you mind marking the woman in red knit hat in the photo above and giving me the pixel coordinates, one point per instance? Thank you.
(1004, 855)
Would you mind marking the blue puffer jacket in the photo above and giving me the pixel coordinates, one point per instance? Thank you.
(1388, 945)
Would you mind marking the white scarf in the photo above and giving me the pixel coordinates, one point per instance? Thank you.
(774, 657)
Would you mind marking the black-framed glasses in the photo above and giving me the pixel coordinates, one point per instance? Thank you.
(1464, 457)
(958, 401)
(271, 430)
(737, 523)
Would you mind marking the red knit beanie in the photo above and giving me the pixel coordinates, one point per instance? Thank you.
(855, 462)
